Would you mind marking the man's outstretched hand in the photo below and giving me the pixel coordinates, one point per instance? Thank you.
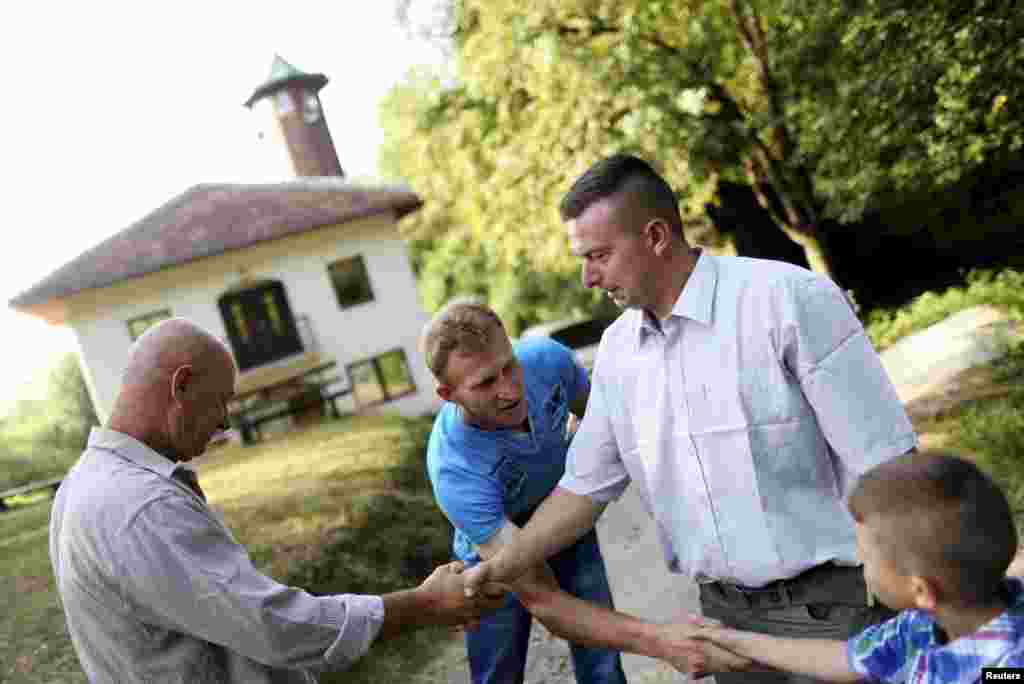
(449, 601)
(705, 649)
(685, 647)
(484, 573)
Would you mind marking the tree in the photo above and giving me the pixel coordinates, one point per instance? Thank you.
(892, 99)
(456, 248)
(823, 109)
(543, 93)
(71, 411)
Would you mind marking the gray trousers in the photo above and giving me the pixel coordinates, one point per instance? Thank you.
(826, 602)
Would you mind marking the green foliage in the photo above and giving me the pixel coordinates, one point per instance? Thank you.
(826, 108)
(34, 645)
(994, 430)
(539, 93)
(17, 470)
(42, 438)
(889, 98)
(518, 292)
(72, 409)
(1004, 289)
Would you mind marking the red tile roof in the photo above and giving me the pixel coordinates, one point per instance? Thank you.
(210, 219)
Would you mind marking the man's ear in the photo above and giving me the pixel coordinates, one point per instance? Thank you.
(658, 235)
(444, 391)
(181, 382)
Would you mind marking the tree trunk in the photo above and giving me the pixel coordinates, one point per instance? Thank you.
(814, 249)
(819, 258)
(797, 216)
(786, 215)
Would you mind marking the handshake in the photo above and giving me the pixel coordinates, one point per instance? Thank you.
(447, 602)
(695, 645)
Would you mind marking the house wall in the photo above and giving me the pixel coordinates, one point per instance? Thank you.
(393, 319)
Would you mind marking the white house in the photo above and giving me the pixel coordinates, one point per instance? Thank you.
(276, 270)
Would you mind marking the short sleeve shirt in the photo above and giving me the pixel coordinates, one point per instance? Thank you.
(483, 478)
(910, 647)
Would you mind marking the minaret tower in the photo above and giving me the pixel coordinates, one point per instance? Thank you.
(292, 98)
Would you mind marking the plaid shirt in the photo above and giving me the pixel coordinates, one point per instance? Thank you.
(908, 649)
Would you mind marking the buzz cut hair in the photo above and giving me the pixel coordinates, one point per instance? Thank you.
(935, 514)
(627, 175)
(465, 325)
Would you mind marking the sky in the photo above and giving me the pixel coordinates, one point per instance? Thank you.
(112, 108)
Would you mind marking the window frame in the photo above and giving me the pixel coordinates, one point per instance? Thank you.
(375, 363)
(163, 314)
(361, 260)
(275, 311)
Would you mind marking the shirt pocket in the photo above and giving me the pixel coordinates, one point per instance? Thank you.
(710, 408)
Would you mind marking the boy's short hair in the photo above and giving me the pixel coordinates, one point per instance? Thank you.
(464, 324)
(937, 515)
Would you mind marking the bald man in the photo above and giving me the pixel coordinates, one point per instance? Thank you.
(155, 588)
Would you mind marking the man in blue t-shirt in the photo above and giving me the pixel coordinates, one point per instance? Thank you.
(496, 451)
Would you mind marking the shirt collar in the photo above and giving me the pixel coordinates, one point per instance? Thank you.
(993, 639)
(133, 450)
(695, 302)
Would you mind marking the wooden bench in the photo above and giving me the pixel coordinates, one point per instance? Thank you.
(52, 483)
(332, 397)
(248, 419)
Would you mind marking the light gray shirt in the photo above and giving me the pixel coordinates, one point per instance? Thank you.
(744, 418)
(155, 588)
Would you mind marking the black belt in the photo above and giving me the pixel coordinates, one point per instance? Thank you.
(780, 592)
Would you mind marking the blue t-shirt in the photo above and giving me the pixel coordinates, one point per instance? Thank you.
(908, 647)
(482, 478)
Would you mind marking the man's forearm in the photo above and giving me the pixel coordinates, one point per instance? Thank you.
(557, 523)
(597, 626)
(440, 600)
(592, 625)
(404, 610)
(823, 659)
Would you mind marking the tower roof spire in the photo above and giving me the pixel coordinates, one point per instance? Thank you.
(282, 74)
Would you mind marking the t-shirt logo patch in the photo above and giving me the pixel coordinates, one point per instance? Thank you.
(556, 400)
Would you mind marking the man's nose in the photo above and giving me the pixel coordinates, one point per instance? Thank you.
(588, 276)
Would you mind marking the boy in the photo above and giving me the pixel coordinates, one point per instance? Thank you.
(936, 537)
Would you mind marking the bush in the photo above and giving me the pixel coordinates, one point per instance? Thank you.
(994, 431)
(1004, 289)
(42, 438)
(16, 471)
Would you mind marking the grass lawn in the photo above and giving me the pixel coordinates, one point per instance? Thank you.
(339, 507)
(345, 506)
(34, 646)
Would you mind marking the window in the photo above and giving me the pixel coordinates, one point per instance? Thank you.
(260, 324)
(284, 103)
(351, 281)
(382, 378)
(140, 324)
